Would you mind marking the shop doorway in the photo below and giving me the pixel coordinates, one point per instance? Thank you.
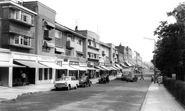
(30, 76)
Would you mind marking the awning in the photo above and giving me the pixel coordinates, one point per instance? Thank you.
(8, 64)
(118, 66)
(59, 50)
(115, 67)
(123, 65)
(80, 52)
(67, 67)
(112, 68)
(106, 68)
(128, 64)
(88, 68)
(31, 64)
(98, 67)
(127, 70)
(78, 67)
(49, 24)
(51, 65)
(46, 43)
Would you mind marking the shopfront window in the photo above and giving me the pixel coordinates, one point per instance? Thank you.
(45, 74)
(40, 73)
(50, 73)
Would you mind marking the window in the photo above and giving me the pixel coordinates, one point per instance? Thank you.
(80, 42)
(22, 40)
(89, 42)
(20, 15)
(46, 33)
(50, 73)
(40, 74)
(58, 34)
(71, 37)
(45, 74)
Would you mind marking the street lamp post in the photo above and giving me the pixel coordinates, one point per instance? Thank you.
(154, 53)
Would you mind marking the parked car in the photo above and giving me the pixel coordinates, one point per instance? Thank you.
(68, 82)
(131, 78)
(119, 75)
(84, 81)
(124, 75)
(104, 78)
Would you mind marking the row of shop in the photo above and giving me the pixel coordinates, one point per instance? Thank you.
(44, 69)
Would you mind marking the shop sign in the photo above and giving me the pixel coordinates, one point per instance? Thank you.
(59, 63)
(46, 58)
(83, 64)
(4, 57)
(73, 63)
(23, 56)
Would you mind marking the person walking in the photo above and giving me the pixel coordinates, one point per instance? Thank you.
(23, 75)
(142, 78)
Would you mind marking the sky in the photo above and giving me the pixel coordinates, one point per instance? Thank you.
(116, 21)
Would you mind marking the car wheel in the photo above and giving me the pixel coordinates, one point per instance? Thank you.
(69, 87)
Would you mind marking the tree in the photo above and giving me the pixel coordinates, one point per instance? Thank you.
(171, 44)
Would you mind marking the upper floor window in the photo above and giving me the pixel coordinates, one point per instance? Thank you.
(80, 42)
(58, 34)
(20, 15)
(70, 37)
(22, 40)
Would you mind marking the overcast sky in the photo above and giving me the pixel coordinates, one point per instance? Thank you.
(116, 21)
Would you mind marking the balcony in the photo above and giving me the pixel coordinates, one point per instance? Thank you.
(70, 45)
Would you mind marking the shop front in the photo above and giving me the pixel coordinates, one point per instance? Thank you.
(6, 68)
(30, 67)
(48, 74)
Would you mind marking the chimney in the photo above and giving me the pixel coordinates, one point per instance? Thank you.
(76, 28)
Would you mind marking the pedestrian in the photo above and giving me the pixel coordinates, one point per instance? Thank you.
(142, 78)
(159, 79)
(23, 75)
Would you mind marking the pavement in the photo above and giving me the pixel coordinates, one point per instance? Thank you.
(159, 99)
(7, 93)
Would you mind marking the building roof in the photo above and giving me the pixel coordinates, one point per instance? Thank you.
(66, 29)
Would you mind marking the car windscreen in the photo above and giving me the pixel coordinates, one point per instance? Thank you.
(65, 78)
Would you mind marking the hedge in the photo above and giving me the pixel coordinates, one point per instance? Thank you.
(176, 87)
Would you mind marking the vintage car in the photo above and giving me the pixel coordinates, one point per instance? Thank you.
(131, 78)
(84, 81)
(104, 78)
(119, 75)
(68, 82)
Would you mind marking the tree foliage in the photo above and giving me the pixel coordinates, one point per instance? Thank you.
(171, 42)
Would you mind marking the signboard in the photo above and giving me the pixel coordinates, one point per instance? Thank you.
(73, 63)
(23, 56)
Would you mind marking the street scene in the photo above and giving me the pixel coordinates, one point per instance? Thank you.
(95, 55)
(117, 95)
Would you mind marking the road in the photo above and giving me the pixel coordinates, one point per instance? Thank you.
(114, 96)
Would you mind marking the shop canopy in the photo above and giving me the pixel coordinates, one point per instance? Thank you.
(128, 64)
(127, 70)
(123, 65)
(78, 67)
(51, 65)
(8, 64)
(106, 68)
(112, 68)
(115, 67)
(31, 64)
(118, 66)
(98, 67)
(89, 68)
(65, 66)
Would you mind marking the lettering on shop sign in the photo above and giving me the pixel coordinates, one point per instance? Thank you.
(83, 64)
(59, 63)
(73, 63)
(46, 59)
(25, 57)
